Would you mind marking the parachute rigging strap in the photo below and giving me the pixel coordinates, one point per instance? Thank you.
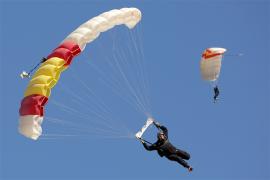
(141, 139)
(27, 74)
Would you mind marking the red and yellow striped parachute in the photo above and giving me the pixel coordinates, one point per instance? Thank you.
(45, 78)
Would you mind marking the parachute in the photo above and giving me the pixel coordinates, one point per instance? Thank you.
(139, 134)
(211, 63)
(45, 78)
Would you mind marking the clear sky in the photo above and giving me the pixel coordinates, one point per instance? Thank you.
(228, 140)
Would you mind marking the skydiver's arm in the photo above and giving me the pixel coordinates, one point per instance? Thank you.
(157, 124)
(149, 148)
(164, 130)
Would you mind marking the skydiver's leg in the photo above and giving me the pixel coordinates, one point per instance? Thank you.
(216, 92)
(174, 157)
(215, 98)
(183, 154)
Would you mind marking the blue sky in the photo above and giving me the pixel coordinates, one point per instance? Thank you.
(227, 140)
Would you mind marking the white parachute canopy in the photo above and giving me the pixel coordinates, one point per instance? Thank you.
(91, 29)
(211, 63)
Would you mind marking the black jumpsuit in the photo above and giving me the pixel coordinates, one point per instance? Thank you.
(165, 148)
(216, 93)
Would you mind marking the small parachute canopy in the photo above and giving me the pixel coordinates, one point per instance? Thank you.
(211, 63)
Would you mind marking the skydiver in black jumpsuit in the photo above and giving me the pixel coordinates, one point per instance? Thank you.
(216, 93)
(165, 148)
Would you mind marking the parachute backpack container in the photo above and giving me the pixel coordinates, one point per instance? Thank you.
(45, 78)
(211, 63)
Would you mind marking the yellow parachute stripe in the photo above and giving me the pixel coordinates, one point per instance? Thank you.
(43, 79)
(46, 77)
(41, 89)
(54, 61)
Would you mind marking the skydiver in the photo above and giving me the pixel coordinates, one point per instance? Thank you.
(165, 148)
(216, 93)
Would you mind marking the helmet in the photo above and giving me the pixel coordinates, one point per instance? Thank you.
(159, 134)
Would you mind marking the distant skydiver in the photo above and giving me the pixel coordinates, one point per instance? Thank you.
(165, 148)
(216, 93)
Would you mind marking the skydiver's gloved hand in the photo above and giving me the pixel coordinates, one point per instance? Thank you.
(142, 141)
(157, 124)
(190, 169)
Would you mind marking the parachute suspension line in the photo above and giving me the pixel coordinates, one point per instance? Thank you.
(84, 117)
(235, 55)
(80, 101)
(118, 90)
(127, 100)
(75, 112)
(142, 106)
(84, 131)
(130, 136)
(85, 136)
(69, 125)
(119, 52)
(80, 115)
(64, 107)
(115, 66)
(98, 115)
(112, 79)
(128, 84)
(215, 83)
(105, 111)
(82, 128)
(72, 111)
(143, 60)
(114, 86)
(141, 81)
(123, 76)
(99, 103)
(139, 88)
(138, 96)
(122, 58)
(46, 138)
